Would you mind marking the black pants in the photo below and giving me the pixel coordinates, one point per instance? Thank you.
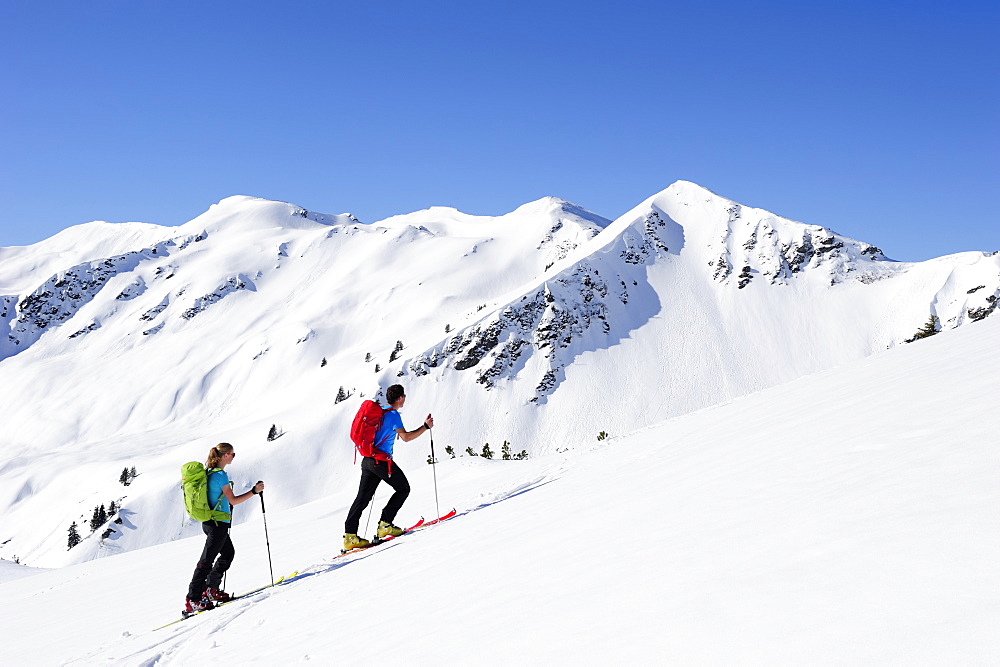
(215, 559)
(373, 472)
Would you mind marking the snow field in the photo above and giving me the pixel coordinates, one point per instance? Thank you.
(848, 516)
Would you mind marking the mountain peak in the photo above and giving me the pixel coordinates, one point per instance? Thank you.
(246, 213)
(558, 209)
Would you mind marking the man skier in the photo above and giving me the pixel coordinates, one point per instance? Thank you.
(381, 468)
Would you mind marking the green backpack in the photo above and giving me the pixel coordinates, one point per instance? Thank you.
(194, 480)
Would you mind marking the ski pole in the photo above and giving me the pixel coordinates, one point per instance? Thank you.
(226, 573)
(267, 540)
(434, 461)
(368, 521)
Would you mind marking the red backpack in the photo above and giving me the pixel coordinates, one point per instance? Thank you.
(363, 430)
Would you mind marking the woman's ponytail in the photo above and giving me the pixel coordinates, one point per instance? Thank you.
(216, 453)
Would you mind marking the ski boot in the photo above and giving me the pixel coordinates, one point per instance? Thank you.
(216, 596)
(386, 529)
(352, 541)
(192, 607)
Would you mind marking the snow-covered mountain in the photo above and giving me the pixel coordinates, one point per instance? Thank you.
(133, 345)
(847, 517)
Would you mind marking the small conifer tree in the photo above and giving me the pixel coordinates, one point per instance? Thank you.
(99, 518)
(928, 330)
(273, 433)
(487, 452)
(74, 536)
(341, 396)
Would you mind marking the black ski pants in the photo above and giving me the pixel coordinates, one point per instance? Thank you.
(373, 472)
(215, 559)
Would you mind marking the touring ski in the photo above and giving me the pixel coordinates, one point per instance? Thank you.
(186, 615)
(441, 518)
(417, 525)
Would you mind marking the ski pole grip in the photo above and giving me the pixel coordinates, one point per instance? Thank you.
(261, 494)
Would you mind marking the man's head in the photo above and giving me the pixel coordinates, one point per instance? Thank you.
(394, 393)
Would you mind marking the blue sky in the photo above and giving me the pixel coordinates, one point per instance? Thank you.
(880, 120)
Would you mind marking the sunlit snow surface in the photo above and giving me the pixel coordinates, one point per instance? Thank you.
(846, 513)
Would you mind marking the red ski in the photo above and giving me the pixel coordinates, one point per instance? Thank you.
(439, 519)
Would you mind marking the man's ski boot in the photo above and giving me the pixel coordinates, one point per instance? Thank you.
(352, 541)
(216, 596)
(386, 529)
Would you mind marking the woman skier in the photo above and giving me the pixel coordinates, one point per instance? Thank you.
(217, 556)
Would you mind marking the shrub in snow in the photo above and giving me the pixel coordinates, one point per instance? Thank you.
(507, 456)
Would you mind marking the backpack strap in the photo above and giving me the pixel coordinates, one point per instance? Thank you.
(375, 445)
(208, 473)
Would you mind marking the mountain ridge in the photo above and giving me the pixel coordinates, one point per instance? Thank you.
(541, 328)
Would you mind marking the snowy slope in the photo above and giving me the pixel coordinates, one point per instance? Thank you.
(845, 517)
(135, 345)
